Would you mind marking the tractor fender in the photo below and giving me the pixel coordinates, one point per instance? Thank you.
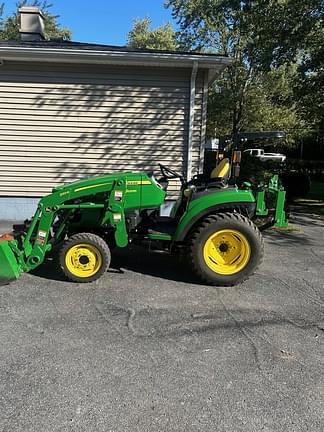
(204, 206)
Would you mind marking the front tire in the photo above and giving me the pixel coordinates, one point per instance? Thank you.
(226, 249)
(84, 257)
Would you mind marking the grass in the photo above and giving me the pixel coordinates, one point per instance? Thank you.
(314, 201)
(290, 228)
(317, 191)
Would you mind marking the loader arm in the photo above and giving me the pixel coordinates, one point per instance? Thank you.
(111, 195)
(37, 241)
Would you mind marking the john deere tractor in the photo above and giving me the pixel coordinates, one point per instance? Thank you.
(82, 222)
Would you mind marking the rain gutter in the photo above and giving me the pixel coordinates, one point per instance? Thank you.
(69, 55)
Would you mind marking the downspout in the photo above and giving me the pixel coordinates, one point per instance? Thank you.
(191, 118)
(203, 124)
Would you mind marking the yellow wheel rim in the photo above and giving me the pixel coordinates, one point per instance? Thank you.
(83, 260)
(227, 252)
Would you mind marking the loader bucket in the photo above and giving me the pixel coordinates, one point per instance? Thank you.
(9, 267)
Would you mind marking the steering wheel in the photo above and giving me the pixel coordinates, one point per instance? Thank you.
(169, 174)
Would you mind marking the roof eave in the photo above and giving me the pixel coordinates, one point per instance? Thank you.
(214, 63)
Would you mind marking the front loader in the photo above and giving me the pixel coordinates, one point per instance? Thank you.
(82, 222)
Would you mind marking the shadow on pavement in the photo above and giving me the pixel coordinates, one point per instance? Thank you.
(306, 219)
(49, 270)
(296, 235)
(135, 259)
(284, 238)
(140, 260)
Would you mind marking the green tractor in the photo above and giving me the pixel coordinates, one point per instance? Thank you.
(82, 222)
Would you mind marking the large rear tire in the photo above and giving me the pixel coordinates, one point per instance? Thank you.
(226, 249)
(84, 257)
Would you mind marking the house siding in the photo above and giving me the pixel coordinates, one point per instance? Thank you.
(59, 123)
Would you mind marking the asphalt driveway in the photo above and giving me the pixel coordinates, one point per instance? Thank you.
(147, 348)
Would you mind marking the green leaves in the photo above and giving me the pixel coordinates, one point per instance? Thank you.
(142, 36)
(10, 25)
(265, 103)
(282, 29)
(276, 79)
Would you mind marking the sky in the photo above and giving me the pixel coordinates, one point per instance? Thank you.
(103, 21)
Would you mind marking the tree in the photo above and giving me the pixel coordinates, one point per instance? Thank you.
(282, 30)
(142, 36)
(309, 86)
(10, 25)
(244, 98)
(268, 104)
(299, 35)
(272, 31)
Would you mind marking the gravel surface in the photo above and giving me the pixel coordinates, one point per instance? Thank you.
(147, 348)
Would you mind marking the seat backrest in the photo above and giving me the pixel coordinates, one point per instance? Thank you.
(222, 169)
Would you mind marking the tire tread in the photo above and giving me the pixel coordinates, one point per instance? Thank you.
(84, 238)
(205, 223)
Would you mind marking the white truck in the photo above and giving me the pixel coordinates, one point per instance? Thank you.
(259, 153)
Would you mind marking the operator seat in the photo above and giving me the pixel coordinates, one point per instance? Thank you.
(201, 184)
(217, 179)
(221, 171)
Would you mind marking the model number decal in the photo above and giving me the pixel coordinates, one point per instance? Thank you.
(138, 182)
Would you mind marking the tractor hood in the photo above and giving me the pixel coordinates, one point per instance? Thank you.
(95, 181)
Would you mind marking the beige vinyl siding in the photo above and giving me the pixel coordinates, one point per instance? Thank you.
(61, 123)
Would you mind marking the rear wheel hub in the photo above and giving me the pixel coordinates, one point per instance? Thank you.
(227, 252)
